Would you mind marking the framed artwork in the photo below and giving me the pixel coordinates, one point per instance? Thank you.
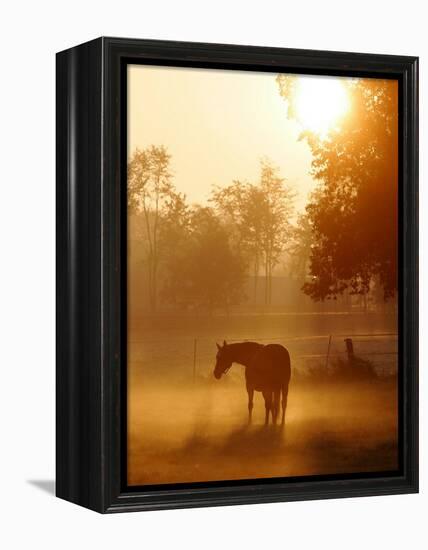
(237, 284)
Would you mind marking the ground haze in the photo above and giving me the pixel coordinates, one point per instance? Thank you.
(185, 426)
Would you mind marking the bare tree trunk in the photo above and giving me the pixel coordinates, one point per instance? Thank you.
(150, 281)
(256, 277)
(154, 285)
(266, 281)
(269, 276)
(151, 254)
(151, 268)
(155, 250)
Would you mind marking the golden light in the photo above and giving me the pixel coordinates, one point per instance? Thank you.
(320, 103)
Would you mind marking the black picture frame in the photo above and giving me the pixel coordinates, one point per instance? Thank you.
(91, 254)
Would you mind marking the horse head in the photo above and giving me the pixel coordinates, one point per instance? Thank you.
(223, 360)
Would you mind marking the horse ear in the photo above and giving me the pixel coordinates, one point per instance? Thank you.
(218, 345)
(224, 343)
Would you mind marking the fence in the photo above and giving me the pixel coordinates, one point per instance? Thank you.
(379, 347)
(195, 357)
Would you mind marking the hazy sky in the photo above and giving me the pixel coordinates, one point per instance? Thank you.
(216, 125)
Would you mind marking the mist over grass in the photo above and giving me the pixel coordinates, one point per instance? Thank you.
(201, 433)
(185, 426)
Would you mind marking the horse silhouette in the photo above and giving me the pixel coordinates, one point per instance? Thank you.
(267, 370)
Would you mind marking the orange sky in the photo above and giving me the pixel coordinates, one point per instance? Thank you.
(216, 125)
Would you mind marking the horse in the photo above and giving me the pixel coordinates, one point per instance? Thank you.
(267, 370)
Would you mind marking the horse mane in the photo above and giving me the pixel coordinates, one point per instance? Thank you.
(242, 352)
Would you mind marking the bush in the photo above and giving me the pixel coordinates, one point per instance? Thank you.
(339, 370)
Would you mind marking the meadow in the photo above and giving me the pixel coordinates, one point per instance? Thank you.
(185, 426)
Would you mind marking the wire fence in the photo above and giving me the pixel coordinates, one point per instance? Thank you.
(195, 357)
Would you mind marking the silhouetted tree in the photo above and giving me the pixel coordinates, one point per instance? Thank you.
(238, 205)
(175, 223)
(300, 249)
(205, 271)
(151, 195)
(259, 215)
(353, 211)
(275, 210)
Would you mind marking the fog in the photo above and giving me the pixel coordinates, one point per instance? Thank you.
(201, 433)
(185, 426)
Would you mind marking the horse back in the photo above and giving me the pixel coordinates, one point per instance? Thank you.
(276, 352)
(271, 366)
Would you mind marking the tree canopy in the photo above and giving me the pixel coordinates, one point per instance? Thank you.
(204, 271)
(354, 210)
(259, 215)
(152, 196)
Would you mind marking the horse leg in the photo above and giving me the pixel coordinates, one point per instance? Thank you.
(275, 405)
(250, 403)
(284, 402)
(268, 405)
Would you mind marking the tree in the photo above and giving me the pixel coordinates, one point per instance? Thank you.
(174, 226)
(276, 209)
(353, 212)
(238, 205)
(300, 249)
(205, 272)
(259, 215)
(151, 195)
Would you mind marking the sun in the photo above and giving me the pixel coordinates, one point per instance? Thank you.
(320, 103)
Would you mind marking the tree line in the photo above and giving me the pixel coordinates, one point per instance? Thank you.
(202, 255)
(344, 242)
(353, 212)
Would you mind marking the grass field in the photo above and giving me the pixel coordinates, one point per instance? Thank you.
(185, 429)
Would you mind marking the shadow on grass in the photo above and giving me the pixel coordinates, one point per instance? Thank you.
(241, 442)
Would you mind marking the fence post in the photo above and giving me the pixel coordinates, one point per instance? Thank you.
(349, 350)
(328, 351)
(195, 343)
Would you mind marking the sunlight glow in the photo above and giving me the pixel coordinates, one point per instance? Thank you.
(320, 103)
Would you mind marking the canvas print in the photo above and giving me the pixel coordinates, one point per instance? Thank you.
(262, 252)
